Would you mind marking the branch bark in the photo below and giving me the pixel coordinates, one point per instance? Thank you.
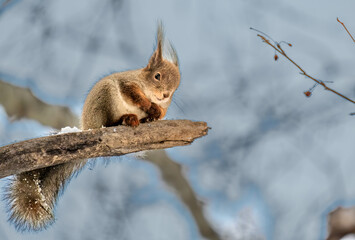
(113, 141)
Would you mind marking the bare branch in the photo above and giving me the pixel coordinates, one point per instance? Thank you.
(346, 29)
(3, 5)
(173, 175)
(114, 141)
(278, 48)
(21, 103)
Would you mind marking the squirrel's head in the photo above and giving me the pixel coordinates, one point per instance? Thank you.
(162, 75)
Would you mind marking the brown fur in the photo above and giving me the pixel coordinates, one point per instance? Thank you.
(129, 120)
(134, 95)
(134, 92)
(126, 98)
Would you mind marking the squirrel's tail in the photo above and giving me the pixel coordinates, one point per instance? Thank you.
(31, 196)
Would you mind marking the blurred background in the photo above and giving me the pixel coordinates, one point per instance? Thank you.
(272, 166)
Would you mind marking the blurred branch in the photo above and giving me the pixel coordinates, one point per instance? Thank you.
(4, 3)
(113, 141)
(173, 176)
(21, 103)
(275, 45)
(346, 29)
(341, 222)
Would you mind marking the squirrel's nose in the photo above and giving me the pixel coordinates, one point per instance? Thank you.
(166, 95)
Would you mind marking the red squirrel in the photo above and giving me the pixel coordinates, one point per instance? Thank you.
(123, 98)
(134, 96)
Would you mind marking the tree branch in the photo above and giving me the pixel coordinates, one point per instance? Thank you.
(346, 29)
(173, 175)
(113, 141)
(280, 50)
(20, 103)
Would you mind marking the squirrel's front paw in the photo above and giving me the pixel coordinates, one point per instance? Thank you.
(129, 120)
(154, 112)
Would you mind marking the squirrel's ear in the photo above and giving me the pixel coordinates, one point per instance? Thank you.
(157, 57)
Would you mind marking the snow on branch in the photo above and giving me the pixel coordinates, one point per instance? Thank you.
(113, 141)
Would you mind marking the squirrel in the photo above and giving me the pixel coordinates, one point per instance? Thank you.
(124, 98)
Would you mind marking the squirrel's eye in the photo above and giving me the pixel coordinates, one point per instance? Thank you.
(157, 76)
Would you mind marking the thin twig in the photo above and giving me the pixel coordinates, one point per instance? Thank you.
(346, 29)
(278, 48)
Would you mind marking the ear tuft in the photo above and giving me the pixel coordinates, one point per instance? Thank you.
(160, 53)
(157, 58)
(170, 54)
(160, 36)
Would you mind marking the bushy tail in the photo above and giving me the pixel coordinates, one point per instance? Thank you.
(31, 196)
